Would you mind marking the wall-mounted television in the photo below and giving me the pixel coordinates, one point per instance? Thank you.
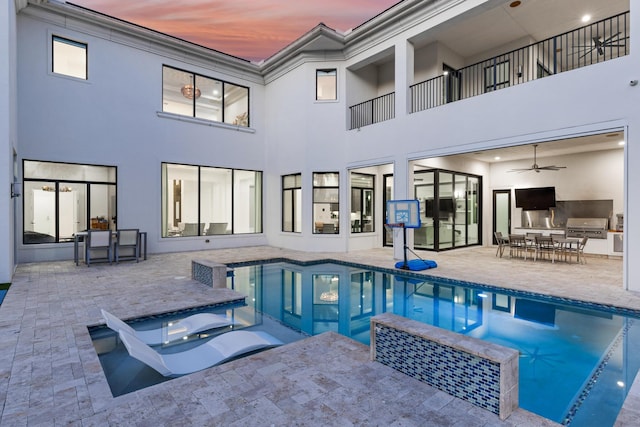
(536, 199)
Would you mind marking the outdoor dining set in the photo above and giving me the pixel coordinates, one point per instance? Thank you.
(537, 246)
(110, 245)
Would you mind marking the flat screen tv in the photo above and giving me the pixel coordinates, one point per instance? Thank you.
(536, 199)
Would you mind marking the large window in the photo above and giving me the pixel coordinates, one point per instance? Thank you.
(69, 57)
(191, 94)
(326, 85)
(61, 199)
(362, 191)
(292, 203)
(326, 207)
(201, 200)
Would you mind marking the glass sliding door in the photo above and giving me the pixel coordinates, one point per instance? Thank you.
(449, 209)
(446, 209)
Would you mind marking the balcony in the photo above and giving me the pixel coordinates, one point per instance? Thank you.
(601, 41)
(373, 111)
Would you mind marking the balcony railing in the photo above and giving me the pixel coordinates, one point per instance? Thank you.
(373, 111)
(591, 44)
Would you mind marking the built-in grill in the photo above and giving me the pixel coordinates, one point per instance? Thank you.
(593, 228)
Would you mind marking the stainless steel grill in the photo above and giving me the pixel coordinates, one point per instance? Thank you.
(593, 228)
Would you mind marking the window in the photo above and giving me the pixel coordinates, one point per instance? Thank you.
(362, 191)
(496, 76)
(204, 201)
(326, 207)
(69, 57)
(190, 94)
(292, 203)
(326, 85)
(61, 199)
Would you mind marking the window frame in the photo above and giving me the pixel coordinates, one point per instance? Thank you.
(71, 42)
(200, 231)
(332, 204)
(61, 185)
(362, 190)
(296, 215)
(242, 120)
(335, 77)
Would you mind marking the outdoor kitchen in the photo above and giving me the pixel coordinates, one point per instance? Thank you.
(594, 219)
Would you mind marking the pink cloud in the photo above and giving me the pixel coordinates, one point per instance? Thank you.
(252, 29)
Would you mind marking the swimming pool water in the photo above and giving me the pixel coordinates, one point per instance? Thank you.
(577, 359)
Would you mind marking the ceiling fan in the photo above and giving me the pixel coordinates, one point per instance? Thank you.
(600, 43)
(535, 166)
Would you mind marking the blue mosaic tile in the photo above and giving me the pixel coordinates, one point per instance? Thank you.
(463, 375)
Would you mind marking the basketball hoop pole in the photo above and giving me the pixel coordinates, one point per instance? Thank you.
(405, 266)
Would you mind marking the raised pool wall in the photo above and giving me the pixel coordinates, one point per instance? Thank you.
(479, 372)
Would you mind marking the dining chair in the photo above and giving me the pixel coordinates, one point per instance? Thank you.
(517, 246)
(545, 246)
(128, 240)
(502, 242)
(98, 241)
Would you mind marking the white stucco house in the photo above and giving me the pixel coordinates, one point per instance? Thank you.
(106, 124)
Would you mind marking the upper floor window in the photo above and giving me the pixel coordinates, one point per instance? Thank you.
(326, 85)
(193, 95)
(326, 206)
(69, 57)
(292, 203)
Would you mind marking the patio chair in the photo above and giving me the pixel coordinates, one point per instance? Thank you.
(545, 246)
(214, 352)
(128, 241)
(518, 246)
(502, 242)
(173, 331)
(577, 250)
(98, 242)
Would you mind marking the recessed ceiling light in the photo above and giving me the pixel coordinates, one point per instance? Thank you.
(496, 158)
(586, 18)
(621, 143)
(515, 3)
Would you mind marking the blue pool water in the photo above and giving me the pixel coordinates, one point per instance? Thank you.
(577, 359)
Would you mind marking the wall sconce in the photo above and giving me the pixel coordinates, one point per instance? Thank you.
(519, 71)
(16, 189)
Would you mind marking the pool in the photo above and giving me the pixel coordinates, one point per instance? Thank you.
(577, 361)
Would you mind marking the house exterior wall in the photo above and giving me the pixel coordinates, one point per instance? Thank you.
(7, 137)
(113, 119)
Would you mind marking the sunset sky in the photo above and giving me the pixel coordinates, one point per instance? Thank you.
(250, 29)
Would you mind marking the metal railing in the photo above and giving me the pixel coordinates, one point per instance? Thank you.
(601, 41)
(373, 111)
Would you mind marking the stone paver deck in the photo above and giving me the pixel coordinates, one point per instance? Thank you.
(51, 375)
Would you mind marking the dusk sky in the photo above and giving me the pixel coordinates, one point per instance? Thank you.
(250, 29)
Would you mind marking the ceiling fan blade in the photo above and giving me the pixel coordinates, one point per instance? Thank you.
(552, 168)
(520, 170)
(610, 38)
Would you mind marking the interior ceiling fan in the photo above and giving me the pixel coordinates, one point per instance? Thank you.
(600, 43)
(535, 166)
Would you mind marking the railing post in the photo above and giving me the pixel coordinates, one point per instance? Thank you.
(555, 56)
